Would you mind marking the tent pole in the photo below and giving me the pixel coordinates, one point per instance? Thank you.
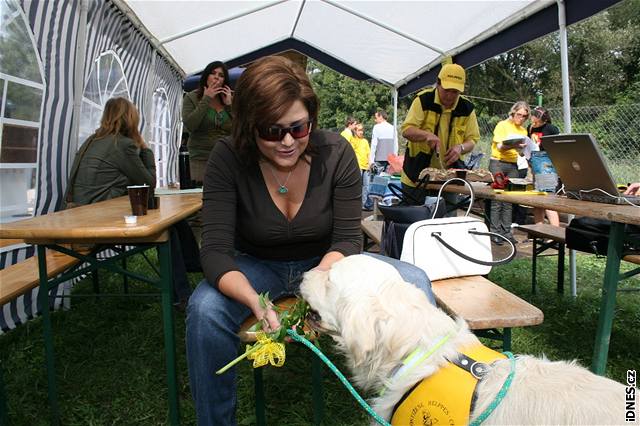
(148, 125)
(78, 80)
(395, 118)
(566, 112)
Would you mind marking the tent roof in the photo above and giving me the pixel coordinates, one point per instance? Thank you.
(399, 43)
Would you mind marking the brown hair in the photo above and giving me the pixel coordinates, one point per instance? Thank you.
(202, 83)
(120, 117)
(264, 93)
(542, 114)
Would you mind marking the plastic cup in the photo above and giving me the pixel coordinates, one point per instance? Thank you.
(138, 197)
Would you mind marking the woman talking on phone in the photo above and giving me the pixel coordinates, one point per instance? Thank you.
(206, 113)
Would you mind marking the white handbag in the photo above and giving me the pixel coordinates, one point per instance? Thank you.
(452, 246)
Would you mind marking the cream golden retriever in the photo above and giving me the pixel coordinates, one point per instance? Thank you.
(377, 319)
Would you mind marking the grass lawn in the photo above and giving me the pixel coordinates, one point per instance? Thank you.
(109, 354)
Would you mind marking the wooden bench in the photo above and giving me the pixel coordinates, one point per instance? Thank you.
(247, 335)
(485, 306)
(19, 278)
(555, 237)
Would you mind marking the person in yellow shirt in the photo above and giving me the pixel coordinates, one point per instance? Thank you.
(349, 128)
(441, 127)
(504, 159)
(362, 149)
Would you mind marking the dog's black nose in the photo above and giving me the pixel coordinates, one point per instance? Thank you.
(314, 316)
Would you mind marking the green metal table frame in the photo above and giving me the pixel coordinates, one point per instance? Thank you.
(608, 303)
(92, 264)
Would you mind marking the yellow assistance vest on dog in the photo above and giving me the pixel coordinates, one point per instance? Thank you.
(445, 398)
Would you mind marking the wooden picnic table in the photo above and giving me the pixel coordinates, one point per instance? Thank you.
(619, 215)
(103, 223)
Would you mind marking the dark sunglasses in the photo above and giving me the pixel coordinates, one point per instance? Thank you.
(277, 133)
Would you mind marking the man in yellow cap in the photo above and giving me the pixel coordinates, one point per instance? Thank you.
(441, 126)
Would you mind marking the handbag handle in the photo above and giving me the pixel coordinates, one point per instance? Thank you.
(403, 195)
(507, 259)
(447, 183)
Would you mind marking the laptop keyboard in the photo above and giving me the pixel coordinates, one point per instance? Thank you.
(597, 197)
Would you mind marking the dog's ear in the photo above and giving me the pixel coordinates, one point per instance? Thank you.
(358, 329)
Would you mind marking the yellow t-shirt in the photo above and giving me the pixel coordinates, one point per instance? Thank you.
(346, 133)
(503, 130)
(362, 150)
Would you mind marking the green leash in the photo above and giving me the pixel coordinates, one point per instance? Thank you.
(481, 418)
(300, 339)
(501, 394)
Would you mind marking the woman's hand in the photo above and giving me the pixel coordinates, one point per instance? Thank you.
(266, 315)
(227, 95)
(211, 91)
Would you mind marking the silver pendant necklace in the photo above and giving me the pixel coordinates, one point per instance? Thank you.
(282, 187)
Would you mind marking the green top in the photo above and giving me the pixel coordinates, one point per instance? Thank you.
(205, 125)
(104, 168)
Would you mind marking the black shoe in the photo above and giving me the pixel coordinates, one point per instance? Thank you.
(512, 239)
(497, 241)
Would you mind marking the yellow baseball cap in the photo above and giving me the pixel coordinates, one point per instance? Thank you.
(452, 76)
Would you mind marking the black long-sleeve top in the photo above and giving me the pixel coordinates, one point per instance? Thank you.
(238, 212)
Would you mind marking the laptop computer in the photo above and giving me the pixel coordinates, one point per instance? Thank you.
(583, 170)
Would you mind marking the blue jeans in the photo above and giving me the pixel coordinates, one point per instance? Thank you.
(214, 319)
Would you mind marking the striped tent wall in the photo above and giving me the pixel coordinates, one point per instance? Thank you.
(109, 29)
(54, 24)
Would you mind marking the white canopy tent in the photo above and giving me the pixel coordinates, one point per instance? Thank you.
(394, 42)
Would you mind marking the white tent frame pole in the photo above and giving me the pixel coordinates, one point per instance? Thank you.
(566, 113)
(395, 118)
(78, 79)
(149, 99)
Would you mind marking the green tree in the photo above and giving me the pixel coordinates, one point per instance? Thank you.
(603, 63)
(341, 96)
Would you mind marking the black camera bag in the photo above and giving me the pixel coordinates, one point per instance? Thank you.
(592, 236)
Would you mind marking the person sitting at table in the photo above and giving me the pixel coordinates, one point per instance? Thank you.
(281, 197)
(116, 156)
(504, 160)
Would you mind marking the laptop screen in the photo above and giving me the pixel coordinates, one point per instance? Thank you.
(579, 162)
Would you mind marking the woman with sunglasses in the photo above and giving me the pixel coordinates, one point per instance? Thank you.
(280, 198)
(504, 159)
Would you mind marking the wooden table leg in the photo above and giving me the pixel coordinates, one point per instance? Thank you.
(608, 301)
(164, 251)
